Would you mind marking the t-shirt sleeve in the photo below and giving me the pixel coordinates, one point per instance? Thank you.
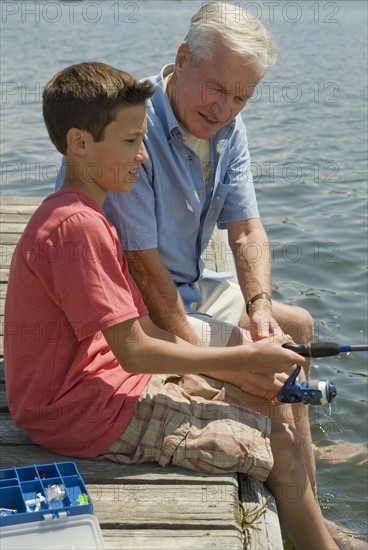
(85, 272)
(241, 201)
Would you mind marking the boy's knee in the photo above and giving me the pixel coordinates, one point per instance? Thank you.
(285, 440)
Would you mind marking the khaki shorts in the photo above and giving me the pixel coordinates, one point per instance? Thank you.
(220, 309)
(197, 423)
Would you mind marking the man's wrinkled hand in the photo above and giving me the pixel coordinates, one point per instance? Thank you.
(263, 325)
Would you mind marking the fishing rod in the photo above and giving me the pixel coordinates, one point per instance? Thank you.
(323, 349)
(314, 392)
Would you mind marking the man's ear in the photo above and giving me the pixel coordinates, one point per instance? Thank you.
(183, 57)
(76, 141)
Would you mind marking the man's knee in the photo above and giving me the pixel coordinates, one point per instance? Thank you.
(295, 321)
(239, 336)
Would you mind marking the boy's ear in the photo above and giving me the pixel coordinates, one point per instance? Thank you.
(76, 142)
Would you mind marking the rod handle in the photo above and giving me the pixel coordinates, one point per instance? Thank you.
(316, 349)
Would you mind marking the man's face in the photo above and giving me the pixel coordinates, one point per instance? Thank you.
(205, 96)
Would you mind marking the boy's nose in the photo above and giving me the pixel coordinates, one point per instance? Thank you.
(142, 155)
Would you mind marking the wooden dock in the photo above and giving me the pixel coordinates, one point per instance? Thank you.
(142, 507)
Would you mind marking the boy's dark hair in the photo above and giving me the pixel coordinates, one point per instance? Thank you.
(86, 96)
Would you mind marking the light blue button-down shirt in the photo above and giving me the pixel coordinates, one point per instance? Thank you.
(170, 207)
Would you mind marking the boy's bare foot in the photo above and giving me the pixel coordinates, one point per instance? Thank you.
(341, 452)
(345, 539)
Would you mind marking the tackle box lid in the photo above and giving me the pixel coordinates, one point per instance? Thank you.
(46, 507)
(64, 533)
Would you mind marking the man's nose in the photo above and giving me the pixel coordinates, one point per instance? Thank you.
(222, 109)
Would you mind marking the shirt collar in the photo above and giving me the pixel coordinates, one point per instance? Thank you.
(161, 103)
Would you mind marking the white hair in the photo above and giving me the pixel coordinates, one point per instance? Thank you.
(239, 30)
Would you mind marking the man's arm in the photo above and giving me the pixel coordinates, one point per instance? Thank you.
(249, 244)
(159, 293)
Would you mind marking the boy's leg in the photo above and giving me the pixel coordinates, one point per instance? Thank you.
(180, 421)
(197, 423)
(299, 512)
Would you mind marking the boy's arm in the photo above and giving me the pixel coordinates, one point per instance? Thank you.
(139, 352)
(159, 293)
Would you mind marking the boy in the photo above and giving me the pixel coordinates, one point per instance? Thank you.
(80, 347)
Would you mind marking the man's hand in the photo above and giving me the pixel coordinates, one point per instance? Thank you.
(262, 323)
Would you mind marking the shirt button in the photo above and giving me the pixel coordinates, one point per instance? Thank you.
(200, 194)
(190, 157)
(179, 135)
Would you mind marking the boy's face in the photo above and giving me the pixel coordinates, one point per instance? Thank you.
(113, 163)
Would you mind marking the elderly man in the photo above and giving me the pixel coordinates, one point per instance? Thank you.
(198, 176)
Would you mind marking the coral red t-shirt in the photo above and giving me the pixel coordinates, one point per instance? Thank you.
(68, 281)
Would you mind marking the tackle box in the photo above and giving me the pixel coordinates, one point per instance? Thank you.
(46, 507)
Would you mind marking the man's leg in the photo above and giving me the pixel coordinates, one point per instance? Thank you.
(298, 323)
(223, 300)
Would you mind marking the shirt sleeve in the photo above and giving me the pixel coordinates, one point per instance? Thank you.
(85, 272)
(241, 201)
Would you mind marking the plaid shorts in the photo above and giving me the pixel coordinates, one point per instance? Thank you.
(197, 423)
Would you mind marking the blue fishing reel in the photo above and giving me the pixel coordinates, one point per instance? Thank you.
(315, 392)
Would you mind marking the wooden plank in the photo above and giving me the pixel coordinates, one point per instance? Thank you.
(20, 201)
(105, 471)
(10, 434)
(266, 532)
(4, 404)
(4, 275)
(14, 217)
(10, 238)
(21, 209)
(172, 539)
(149, 505)
(6, 254)
(12, 227)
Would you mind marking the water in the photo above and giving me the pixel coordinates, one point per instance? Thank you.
(307, 126)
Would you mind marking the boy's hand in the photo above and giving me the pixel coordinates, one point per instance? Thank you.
(266, 385)
(269, 355)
